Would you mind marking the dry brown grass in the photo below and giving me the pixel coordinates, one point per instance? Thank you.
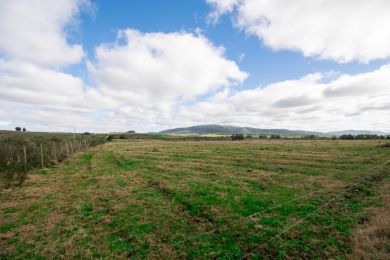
(372, 240)
(160, 199)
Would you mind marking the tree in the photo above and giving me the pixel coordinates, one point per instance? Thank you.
(24, 129)
(238, 137)
(347, 137)
(18, 129)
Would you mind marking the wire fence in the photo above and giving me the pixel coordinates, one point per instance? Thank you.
(18, 156)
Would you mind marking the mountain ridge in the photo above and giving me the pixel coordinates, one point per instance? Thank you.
(231, 129)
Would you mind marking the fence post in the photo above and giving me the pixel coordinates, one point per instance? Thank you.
(55, 152)
(67, 148)
(42, 156)
(71, 147)
(25, 158)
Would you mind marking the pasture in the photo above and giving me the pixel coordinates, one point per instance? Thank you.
(196, 199)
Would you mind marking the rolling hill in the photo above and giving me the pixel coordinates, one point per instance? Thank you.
(228, 129)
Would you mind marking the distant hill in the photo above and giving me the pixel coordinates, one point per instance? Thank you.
(227, 129)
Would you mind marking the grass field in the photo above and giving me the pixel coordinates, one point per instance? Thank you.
(188, 199)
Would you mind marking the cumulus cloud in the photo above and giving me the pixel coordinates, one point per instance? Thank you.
(162, 65)
(33, 85)
(152, 81)
(344, 31)
(358, 101)
(220, 7)
(138, 84)
(34, 31)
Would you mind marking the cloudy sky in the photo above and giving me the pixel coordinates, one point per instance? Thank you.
(150, 65)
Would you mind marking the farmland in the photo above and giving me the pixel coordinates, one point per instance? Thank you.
(197, 199)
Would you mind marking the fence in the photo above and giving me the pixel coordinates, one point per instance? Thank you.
(18, 156)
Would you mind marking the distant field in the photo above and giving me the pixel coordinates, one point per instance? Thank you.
(196, 199)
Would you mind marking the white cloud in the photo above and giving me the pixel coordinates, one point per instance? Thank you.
(220, 7)
(146, 81)
(343, 31)
(162, 66)
(32, 85)
(349, 102)
(139, 84)
(34, 31)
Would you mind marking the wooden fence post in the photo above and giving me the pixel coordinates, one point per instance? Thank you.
(55, 152)
(71, 147)
(67, 148)
(25, 158)
(42, 156)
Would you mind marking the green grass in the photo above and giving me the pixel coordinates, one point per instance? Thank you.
(190, 199)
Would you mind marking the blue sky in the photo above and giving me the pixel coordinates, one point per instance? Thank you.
(149, 65)
(264, 65)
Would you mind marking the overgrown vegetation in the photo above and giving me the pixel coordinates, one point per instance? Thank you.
(21, 152)
(221, 199)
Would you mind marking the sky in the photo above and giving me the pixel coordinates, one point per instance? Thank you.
(150, 65)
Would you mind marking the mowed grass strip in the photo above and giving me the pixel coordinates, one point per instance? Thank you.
(150, 198)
